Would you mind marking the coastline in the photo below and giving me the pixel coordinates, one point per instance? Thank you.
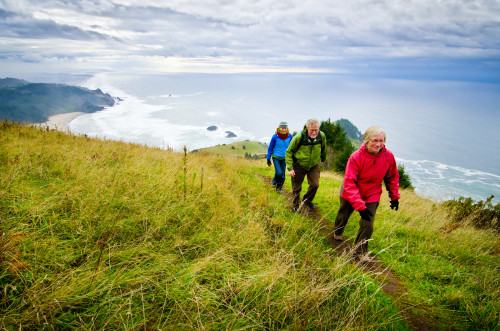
(60, 122)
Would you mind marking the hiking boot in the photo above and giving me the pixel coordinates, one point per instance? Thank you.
(339, 237)
(364, 259)
(309, 204)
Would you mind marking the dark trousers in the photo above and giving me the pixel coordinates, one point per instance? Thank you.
(312, 179)
(365, 226)
(279, 173)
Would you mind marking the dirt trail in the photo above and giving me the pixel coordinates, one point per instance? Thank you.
(387, 279)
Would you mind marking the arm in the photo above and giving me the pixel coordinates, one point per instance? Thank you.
(391, 180)
(290, 151)
(351, 191)
(271, 147)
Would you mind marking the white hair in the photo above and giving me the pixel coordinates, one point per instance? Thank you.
(373, 131)
(312, 122)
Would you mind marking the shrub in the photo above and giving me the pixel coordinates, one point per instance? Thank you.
(340, 161)
(404, 178)
(482, 215)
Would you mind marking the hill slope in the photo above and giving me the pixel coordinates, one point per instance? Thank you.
(12, 82)
(248, 149)
(108, 235)
(35, 102)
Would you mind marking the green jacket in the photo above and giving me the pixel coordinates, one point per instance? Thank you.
(305, 152)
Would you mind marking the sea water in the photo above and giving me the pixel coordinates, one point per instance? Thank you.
(445, 133)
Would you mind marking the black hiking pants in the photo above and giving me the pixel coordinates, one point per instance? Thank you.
(365, 226)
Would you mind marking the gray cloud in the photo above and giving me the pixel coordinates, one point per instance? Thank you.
(265, 32)
(13, 25)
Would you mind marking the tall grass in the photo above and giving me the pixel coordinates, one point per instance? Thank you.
(107, 235)
(450, 270)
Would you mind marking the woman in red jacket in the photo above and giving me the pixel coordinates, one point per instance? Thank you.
(367, 167)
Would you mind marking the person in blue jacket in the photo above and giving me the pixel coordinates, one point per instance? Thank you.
(277, 149)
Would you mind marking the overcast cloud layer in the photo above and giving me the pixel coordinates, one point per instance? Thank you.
(440, 38)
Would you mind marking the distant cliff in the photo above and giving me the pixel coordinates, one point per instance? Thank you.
(352, 132)
(26, 102)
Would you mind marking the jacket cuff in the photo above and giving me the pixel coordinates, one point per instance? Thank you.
(359, 206)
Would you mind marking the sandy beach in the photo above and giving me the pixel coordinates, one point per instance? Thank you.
(60, 122)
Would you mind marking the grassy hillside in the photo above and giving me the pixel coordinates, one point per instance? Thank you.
(239, 149)
(107, 235)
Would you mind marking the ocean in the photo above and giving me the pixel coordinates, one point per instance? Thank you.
(443, 132)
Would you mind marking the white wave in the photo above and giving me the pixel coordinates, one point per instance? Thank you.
(435, 166)
(132, 120)
(442, 181)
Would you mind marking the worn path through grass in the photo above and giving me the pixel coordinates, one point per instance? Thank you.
(386, 278)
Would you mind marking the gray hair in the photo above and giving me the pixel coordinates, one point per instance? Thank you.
(312, 122)
(373, 131)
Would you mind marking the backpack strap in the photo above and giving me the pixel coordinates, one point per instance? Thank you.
(323, 141)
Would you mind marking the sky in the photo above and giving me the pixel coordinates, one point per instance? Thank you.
(416, 39)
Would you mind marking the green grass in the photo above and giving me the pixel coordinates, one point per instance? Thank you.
(451, 271)
(238, 149)
(110, 235)
(107, 235)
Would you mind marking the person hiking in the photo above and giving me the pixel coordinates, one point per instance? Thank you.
(302, 158)
(277, 149)
(361, 188)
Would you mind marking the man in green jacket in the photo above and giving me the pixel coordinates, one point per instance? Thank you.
(302, 157)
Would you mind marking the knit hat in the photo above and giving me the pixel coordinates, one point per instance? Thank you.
(283, 124)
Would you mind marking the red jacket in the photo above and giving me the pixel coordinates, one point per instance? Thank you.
(364, 174)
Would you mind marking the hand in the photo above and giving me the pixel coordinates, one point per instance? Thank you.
(395, 204)
(365, 214)
(269, 162)
(292, 173)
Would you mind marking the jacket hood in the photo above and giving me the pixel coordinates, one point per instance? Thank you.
(305, 128)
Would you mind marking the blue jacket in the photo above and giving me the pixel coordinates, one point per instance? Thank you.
(278, 146)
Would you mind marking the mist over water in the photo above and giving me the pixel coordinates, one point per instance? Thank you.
(443, 132)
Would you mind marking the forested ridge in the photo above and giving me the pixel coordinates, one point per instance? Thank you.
(26, 102)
